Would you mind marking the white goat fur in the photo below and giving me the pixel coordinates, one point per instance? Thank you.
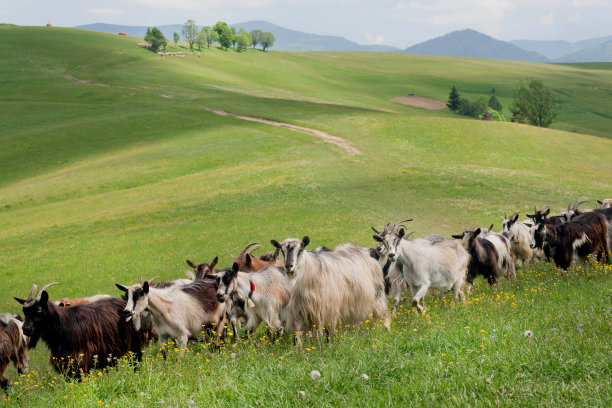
(329, 288)
(271, 295)
(519, 235)
(176, 314)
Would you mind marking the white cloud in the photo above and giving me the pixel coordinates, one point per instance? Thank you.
(203, 4)
(548, 19)
(105, 11)
(374, 39)
(573, 18)
(589, 3)
(445, 12)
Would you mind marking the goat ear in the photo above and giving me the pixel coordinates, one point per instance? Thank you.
(600, 202)
(145, 287)
(377, 238)
(275, 243)
(401, 233)
(546, 212)
(457, 236)
(476, 232)
(491, 227)
(22, 301)
(234, 268)
(121, 287)
(191, 264)
(515, 218)
(248, 260)
(214, 262)
(44, 298)
(305, 241)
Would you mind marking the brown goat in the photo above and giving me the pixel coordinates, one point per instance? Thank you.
(203, 268)
(13, 347)
(247, 262)
(67, 302)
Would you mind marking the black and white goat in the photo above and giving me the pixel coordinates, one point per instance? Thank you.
(484, 259)
(518, 233)
(505, 256)
(178, 312)
(259, 296)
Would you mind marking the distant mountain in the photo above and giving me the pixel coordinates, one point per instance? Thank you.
(286, 40)
(471, 43)
(592, 42)
(549, 49)
(598, 53)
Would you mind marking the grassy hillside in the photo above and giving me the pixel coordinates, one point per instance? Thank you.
(111, 168)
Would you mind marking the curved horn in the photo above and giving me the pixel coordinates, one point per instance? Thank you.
(578, 203)
(398, 224)
(569, 206)
(31, 293)
(544, 207)
(44, 288)
(243, 252)
(408, 235)
(253, 249)
(513, 214)
(152, 279)
(376, 231)
(505, 216)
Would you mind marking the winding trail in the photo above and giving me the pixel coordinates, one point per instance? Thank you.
(323, 136)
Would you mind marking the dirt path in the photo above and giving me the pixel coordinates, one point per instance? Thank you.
(420, 102)
(324, 136)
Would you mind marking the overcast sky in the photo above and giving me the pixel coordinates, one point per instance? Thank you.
(400, 23)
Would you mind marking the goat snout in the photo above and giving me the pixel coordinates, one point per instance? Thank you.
(392, 257)
(127, 314)
(220, 298)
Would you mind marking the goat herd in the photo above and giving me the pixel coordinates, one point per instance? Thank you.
(321, 289)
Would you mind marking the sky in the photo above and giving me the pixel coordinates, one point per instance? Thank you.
(400, 23)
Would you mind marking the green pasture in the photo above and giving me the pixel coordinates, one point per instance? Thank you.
(111, 168)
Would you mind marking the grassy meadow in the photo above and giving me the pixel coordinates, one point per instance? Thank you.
(112, 168)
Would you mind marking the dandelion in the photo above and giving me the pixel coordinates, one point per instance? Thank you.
(315, 374)
(301, 394)
(365, 376)
(528, 334)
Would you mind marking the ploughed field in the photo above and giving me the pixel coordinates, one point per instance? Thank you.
(114, 166)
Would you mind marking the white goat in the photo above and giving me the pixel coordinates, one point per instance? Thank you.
(259, 296)
(519, 235)
(329, 288)
(607, 203)
(178, 312)
(505, 256)
(438, 263)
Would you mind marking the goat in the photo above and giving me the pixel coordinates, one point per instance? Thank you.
(572, 210)
(82, 336)
(607, 203)
(505, 256)
(203, 268)
(260, 296)
(13, 347)
(584, 235)
(438, 263)
(331, 287)
(178, 312)
(519, 236)
(541, 217)
(66, 302)
(247, 262)
(484, 259)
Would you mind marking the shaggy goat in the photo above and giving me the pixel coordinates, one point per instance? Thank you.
(13, 347)
(330, 288)
(484, 259)
(519, 236)
(607, 203)
(80, 337)
(435, 262)
(178, 312)
(260, 296)
(505, 256)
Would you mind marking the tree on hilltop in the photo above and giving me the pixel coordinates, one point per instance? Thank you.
(226, 37)
(156, 38)
(209, 35)
(453, 100)
(266, 40)
(190, 32)
(255, 37)
(244, 40)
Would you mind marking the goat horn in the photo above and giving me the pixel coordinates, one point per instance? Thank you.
(375, 230)
(505, 216)
(32, 292)
(406, 237)
(243, 252)
(253, 249)
(152, 279)
(513, 214)
(578, 203)
(569, 206)
(44, 288)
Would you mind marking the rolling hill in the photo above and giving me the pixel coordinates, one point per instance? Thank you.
(117, 163)
(471, 43)
(597, 53)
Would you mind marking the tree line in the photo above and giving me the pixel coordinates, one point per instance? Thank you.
(533, 104)
(220, 33)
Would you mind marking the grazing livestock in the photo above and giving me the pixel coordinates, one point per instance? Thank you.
(247, 262)
(203, 268)
(505, 256)
(13, 346)
(329, 288)
(518, 234)
(259, 296)
(484, 259)
(178, 312)
(541, 217)
(572, 210)
(82, 336)
(434, 262)
(585, 235)
(607, 203)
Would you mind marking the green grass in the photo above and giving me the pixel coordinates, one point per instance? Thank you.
(103, 184)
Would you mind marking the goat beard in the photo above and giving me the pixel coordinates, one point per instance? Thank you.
(33, 340)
